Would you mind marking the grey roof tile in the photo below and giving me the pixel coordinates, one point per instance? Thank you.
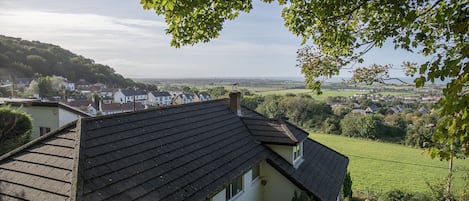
(42, 170)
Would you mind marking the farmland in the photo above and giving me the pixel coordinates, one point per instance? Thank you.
(381, 167)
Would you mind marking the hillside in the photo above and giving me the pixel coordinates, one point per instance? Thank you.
(22, 58)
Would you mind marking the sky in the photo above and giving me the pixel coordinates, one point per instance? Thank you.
(132, 40)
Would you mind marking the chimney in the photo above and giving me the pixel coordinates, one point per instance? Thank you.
(235, 102)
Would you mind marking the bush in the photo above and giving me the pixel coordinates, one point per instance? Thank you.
(15, 128)
(398, 195)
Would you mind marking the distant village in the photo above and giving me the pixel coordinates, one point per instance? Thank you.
(113, 100)
(95, 99)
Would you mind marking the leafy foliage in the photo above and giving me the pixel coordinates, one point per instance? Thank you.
(22, 58)
(363, 126)
(15, 128)
(217, 92)
(347, 187)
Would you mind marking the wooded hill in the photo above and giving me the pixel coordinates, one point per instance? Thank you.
(23, 58)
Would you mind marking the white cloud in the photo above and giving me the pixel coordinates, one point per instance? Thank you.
(139, 48)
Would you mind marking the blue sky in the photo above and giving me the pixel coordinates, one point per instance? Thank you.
(132, 40)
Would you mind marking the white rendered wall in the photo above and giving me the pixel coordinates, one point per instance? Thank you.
(42, 117)
(278, 187)
(252, 190)
(285, 151)
(66, 117)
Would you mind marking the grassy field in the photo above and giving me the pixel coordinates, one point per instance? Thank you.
(380, 167)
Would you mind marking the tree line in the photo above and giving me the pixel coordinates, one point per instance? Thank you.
(409, 127)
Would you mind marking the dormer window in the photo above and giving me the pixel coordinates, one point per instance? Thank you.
(298, 151)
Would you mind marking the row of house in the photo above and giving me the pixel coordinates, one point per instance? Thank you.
(158, 98)
(211, 150)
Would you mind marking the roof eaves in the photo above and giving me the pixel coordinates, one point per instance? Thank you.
(280, 143)
(73, 110)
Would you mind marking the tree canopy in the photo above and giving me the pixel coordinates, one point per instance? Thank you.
(22, 58)
(337, 34)
(15, 128)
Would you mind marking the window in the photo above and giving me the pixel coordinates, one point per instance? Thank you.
(298, 151)
(234, 188)
(43, 130)
(255, 172)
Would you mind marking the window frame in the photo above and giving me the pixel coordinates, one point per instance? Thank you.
(236, 185)
(255, 169)
(43, 130)
(298, 151)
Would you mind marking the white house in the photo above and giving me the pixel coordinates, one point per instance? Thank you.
(183, 99)
(159, 98)
(202, 97)
(128, 95)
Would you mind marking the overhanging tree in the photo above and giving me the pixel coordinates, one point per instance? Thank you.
(337, 34)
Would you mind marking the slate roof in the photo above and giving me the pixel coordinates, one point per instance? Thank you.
(113, 107)
(188, 96)
(273, 131)
(322, 170)
(204, 95)
(184, 152)
(40, 170)
(160, 93)
(131, 92)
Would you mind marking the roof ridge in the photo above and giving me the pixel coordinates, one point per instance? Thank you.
(287, 131)
(109, 116)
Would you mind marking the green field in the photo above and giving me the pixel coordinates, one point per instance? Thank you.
(380, 167)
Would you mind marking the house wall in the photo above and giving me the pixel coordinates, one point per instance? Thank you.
(66, 117)
(283, 150)
(252, 190)
(119, 97)
(43, 117)
(278, 187)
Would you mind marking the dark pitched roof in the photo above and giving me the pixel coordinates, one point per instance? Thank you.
(131, 92)
(273, 131)
(204, 95)
(182, 152)
(80, 103)
(42, 169)
(188, 96)
(160, 93)
(112, 107)
(322, 170)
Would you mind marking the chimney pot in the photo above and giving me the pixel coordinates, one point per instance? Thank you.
(235, 102)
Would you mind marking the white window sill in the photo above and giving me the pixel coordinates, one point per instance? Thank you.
(298, 162)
